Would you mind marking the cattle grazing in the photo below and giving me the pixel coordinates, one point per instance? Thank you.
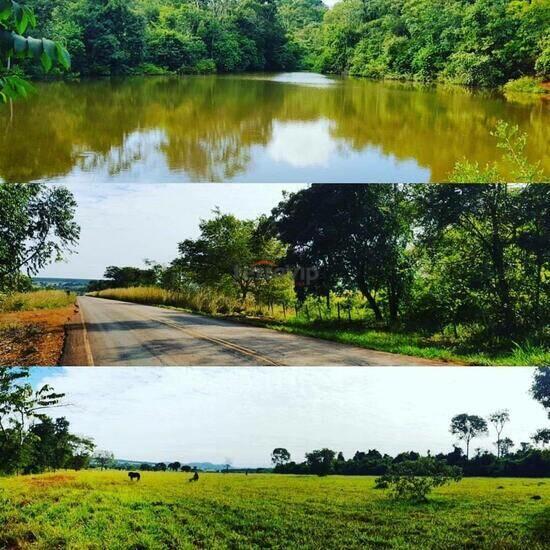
(134, 475)
(195, 477)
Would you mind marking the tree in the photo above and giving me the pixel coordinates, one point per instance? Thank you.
(280, 456)
(499, 419)
(226, 252)
(174, 466)
(36, 227)
(504, 446)
(355, 236)
(160, 467)
(542, 437)
(414, 479)
(15, 19)
(320, 461)
(104, 459)
(540, 388)
(20, 405)
(484, 213)
(466, 427)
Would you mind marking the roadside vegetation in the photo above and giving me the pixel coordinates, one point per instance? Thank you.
(36, 227)
(455, 272)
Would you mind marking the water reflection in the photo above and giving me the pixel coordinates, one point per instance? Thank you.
(285, 127)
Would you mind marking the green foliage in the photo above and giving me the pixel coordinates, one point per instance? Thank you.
(524, 85)
(29, 440)
(513, 143)
(15, 19)
(413, 480)
(477, 43)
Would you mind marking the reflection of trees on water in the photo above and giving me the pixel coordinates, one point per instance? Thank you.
(206, 127)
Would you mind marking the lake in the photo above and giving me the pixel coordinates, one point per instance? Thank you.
(289, 127)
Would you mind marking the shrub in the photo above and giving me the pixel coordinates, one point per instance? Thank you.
(413, 480)
(525, 84)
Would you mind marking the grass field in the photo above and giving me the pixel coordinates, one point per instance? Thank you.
(94, 509)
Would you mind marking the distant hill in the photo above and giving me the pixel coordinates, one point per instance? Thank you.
(74, 285)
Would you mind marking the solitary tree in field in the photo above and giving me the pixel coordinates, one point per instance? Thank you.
(36, 227)
(499, 419)
(104, 459)
(466, 427)
(174, 466)
(280, 456)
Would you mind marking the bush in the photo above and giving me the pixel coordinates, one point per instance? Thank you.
(471, 69)
(205, 66)
(413, 480)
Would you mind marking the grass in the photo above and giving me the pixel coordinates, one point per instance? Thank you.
(355, 333)
(418, 345)
(525, 85)
(39, 299)
(93, 509)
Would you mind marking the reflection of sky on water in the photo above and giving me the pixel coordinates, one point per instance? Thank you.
(243, 413)
(296, 152)
(124, 224)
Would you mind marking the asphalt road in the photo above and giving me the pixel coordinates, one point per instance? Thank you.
(122, 333)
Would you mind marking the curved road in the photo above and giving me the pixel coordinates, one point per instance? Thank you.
(122, 333)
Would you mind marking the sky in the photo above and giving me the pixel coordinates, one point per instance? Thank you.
(241, 414)
(125, 224)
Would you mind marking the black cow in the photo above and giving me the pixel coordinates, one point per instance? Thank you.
(134, 475)
(195, 477)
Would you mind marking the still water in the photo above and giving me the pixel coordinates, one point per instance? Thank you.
(289, 127)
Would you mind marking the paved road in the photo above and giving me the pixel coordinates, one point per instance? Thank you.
(122, 333)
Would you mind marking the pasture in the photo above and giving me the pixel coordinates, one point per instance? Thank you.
(104, 509)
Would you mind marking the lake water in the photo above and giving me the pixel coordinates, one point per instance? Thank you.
(290, 127)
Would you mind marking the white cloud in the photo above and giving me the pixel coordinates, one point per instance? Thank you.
(192, 414)
(124, 224)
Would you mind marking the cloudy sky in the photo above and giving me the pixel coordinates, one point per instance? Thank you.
(125, 224)
(241, 414)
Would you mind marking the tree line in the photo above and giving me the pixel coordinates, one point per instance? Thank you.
(467, 261)
(30, 440)
(530, 459)
(470, 42)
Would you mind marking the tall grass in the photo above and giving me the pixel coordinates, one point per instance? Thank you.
(204, 301)
(38, 299)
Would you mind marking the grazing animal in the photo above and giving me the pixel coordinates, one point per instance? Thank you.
(195, 477)
(134, 475)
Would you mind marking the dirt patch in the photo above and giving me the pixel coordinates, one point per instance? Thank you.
(58, 479)
(29, 338)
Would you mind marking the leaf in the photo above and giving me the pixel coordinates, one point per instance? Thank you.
(46, 61)
(49, 48)
(19, 44)
(35, 46)
(63, 56)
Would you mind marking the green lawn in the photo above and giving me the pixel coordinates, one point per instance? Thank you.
(94, 509)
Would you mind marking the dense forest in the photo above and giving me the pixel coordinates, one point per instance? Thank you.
(470, 42)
